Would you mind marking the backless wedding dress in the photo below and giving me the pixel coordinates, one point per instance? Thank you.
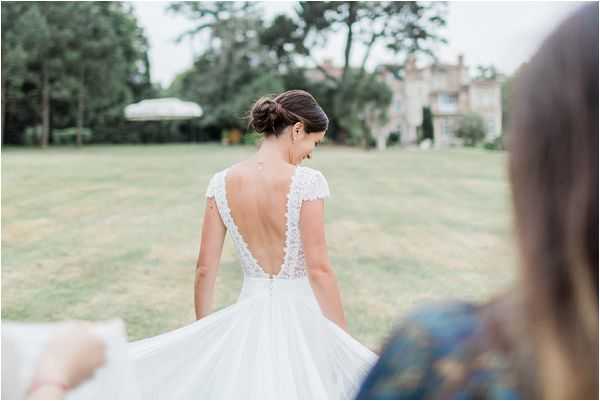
(273, 343)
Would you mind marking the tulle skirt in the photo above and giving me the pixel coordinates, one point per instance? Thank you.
(273, 343)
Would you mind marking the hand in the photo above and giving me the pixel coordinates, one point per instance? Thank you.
(72, 355)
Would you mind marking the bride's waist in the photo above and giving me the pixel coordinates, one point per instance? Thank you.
(276, 287)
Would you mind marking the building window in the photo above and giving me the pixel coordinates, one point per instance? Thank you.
(446, 128)
(486, 99)
(447, 103)
(491, 126)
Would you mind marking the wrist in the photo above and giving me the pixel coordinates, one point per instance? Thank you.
(51, 373)
(47, 387)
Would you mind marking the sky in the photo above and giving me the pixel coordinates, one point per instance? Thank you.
(504, 34)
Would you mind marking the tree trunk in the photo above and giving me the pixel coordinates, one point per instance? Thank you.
(3, 110)
(80, 107)
(342, 137)
(45, 106)
(340, 97)
(363, 64)
(366, 130)
(347, 51)
(366, 137)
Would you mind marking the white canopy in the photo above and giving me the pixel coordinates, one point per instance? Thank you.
(169, 108)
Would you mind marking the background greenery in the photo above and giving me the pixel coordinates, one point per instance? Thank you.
(106, 231)
(78, 64)
(70, 64)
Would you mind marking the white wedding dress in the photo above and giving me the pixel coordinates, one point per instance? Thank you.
(273, 343)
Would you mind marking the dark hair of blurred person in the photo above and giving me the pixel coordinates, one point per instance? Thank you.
(553, 169)
(540, 340)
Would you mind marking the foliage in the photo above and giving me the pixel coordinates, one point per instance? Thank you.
(247, 57)
(70, 64)
(145, 132)
(495, 144)
(251, 138)
(235, 69)
(364, 103)
(471, 129)
(506, 89)
(486, 72)
(77, 64)
(70, 135)
(402, 28)
(32, 135)
(393, 139)
(426, 131)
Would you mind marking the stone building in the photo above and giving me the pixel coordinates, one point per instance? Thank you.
(448, 91)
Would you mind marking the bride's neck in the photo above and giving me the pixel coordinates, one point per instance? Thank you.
(271, 150)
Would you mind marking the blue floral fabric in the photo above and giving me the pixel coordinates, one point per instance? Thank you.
(440, 352)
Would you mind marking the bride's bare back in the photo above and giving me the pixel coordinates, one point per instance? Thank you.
(257, 197)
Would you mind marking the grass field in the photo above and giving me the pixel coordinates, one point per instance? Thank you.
(114, 231)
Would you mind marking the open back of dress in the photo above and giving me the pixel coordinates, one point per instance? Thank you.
(261, 211)
(257, 199)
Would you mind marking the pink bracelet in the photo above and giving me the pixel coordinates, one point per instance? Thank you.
(37, 384)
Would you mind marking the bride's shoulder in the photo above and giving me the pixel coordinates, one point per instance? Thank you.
(314, 184)
(311, 172)
(220, 173)
(213, 182)
(216, 175)
(218, 178)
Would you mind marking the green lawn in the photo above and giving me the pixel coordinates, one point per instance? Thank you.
(114, 231)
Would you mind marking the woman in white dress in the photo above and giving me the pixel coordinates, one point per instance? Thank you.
(285, 337)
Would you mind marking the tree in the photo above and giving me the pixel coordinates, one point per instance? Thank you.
(14, 55)
(80, 61)
(49, 56)
(427, 125)
(471, 129)
(505, 89)
(486, 72)
(26, 56)
(108, 32)
(235, 68)
(284, 41)
(400, 27)
(241, 49)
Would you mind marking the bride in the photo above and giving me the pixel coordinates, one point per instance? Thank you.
(285, 337)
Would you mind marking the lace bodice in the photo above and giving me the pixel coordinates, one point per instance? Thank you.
(307, 184)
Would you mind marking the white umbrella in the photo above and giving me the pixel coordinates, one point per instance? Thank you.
(168, 108)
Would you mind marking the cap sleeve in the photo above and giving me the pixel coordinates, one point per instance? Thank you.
(317, 187)
(212, 185)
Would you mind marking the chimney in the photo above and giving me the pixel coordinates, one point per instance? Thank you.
(461, 60)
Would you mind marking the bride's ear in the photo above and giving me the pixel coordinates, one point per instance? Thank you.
(298, 131)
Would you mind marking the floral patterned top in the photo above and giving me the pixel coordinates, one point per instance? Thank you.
(441, 352)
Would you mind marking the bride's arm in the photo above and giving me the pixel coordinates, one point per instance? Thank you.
(211, 245)
(320, 273)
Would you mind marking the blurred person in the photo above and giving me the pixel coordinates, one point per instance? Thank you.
(541, 339)
(285, 337)
(71, 356)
